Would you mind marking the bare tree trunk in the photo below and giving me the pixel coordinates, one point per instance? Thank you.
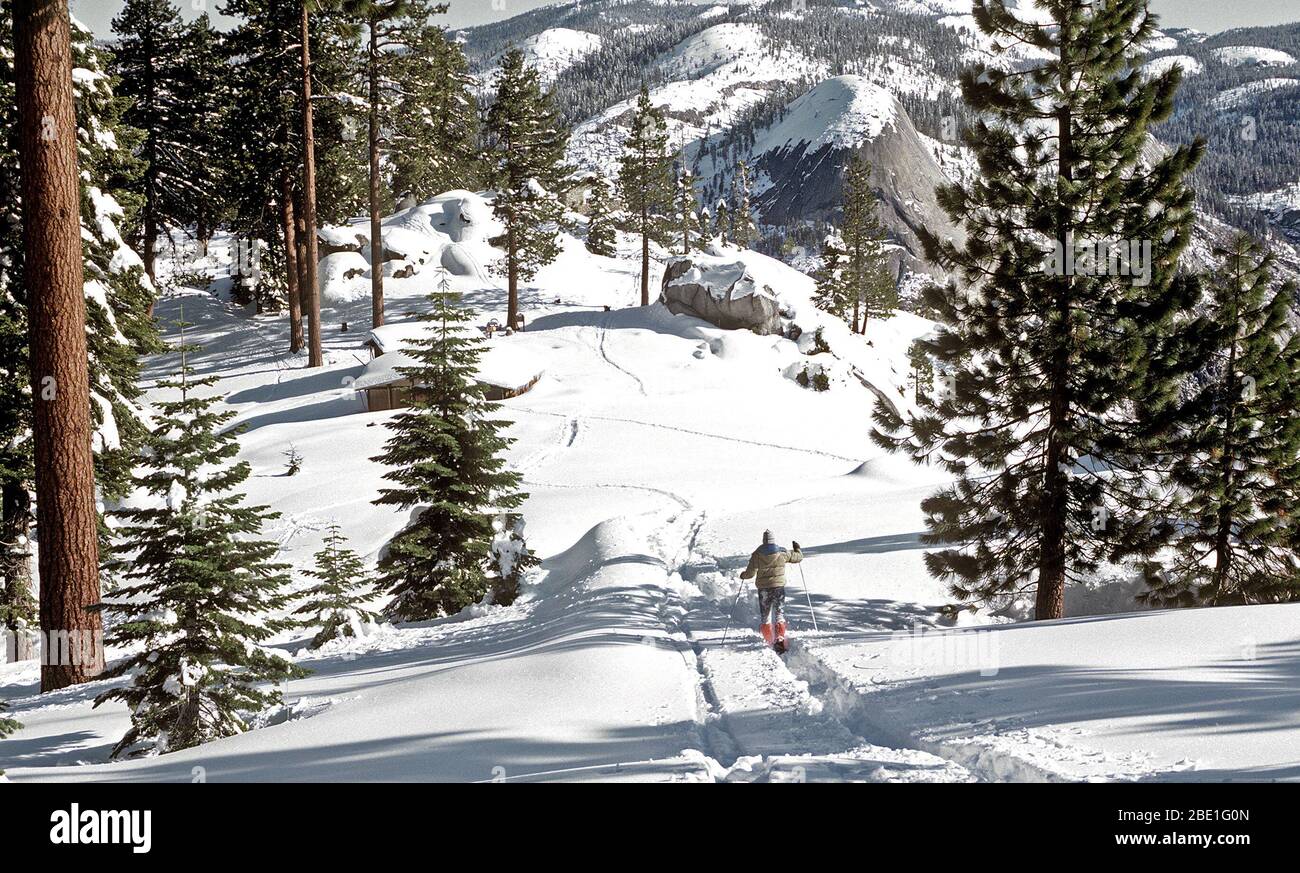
(512, 279)
(645, 258)
(376, 236)
(291, 263)
(312, 290)
(300, 238)
(65, 475)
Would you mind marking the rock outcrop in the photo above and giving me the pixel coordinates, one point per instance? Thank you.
(721, 292)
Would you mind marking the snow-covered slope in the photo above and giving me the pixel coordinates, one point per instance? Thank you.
(550, 52)
(1252, 55)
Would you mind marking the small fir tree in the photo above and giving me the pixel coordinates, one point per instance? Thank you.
(201, 586)
(446, 459)
(601, 229)
(336, 603)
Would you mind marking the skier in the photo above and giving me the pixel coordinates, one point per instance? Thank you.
(768, 563)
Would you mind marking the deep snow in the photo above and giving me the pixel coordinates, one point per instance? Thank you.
(655, 451)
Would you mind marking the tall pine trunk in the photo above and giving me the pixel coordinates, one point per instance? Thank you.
(512, 276)
(376, 236)
(645, 257)
(291, 268)
(311, 291)
(1049, 600)
(65, 476)
(1223, 518)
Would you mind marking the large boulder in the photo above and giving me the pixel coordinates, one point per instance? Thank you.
(721, 292)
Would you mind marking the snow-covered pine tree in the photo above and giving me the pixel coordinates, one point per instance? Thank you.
(869, 285)
(704, 224)
(602, 230)
(201, 587)
(165, 68)
(743, 229)
(1056, 380)
(446, 459)
(433, 137)
(1238, 464)
(336, 603)
(687, 219)
(722, 222)
(512, 557)
(645, 180)
(833, 292)
(526, 170)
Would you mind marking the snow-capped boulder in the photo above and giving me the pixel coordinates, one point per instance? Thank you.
(720, 291)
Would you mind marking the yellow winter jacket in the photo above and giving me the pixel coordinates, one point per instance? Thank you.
(768, 563)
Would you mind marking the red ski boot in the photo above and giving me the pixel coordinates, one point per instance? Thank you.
(766, 630)
(780, 644)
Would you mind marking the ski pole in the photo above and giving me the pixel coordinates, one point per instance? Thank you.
(731, 616)
(808, 597)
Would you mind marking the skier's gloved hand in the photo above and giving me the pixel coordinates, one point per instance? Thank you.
(795, 543)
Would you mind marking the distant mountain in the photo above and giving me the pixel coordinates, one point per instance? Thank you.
(795, 88)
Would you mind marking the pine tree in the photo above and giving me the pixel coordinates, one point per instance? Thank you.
(511, 557)
(434, 127)
(1238, 464)
(335, 603)
(261, 149)
(722, 222)
(53, 275)
(393, 30)
(527, 172)
(687, 220)
(602, 234)
(645, 179)
(118, 297)
(7, 725)
(743, 229)
(870, 287)
(446, 455)
(1056, 381)
(201, 586)
(166, 68)
(834, 294)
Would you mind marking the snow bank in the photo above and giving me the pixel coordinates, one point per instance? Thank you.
(1207, 694)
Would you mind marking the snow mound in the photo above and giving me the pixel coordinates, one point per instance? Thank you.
(897, 471)
(840, 112)
(1252, 56)
(450, 231)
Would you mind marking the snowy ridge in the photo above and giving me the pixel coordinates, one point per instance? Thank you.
(839, 112)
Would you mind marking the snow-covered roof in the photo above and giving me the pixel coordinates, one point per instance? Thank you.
(505, 363)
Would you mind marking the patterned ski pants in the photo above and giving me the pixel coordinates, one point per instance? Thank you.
(771, 600)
